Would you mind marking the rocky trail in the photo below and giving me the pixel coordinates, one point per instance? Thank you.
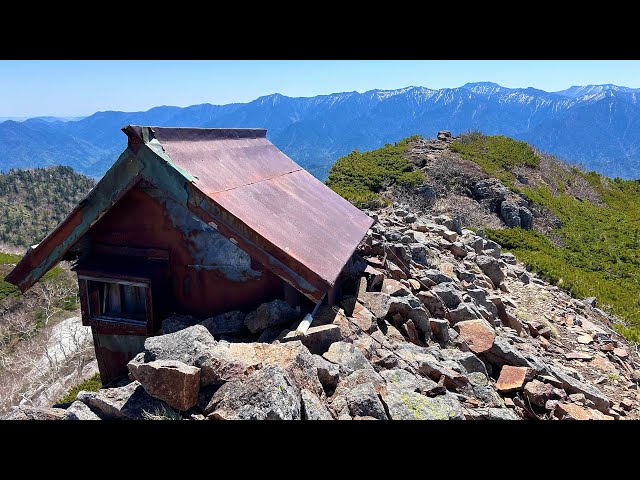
(435, 323)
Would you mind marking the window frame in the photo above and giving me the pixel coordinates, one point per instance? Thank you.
(90, 302)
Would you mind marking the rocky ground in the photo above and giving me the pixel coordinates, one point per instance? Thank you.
(436, 323)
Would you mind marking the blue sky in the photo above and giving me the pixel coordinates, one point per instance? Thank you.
(81, 87)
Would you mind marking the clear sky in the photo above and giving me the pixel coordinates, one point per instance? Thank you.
(81, 87)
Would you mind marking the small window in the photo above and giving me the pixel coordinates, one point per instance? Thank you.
(120, 301)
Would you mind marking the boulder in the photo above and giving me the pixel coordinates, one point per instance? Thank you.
(189, 346)
(539, 393)
(266, 394)
(478, 334)
(513, 378)
(491, 268)
(571, 411)
(172, 381)
(363, 400)
(432, 302)
(394, 288)
(573, 385)
(229, 323)
(526, 218)
(502, 353)
(464, 311)
(317, 339)
(347, 357)
(510, 214)
(328, 373)
(470, 362)
(313, 408)
(492, 413)
(271, 314)
(130, 402)
(440, 329)
(449, 294)
(24, 412)
(376, 302)
(358, 377)
(450, 236)
(401, 380)
(234, 361)
(409, 405)
(79, 411)
(436, 276)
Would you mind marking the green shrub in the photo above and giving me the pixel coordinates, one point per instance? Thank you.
(359, 177)
(92, 384)
(496, 154)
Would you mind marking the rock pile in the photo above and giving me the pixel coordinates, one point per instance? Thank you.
(439, 324)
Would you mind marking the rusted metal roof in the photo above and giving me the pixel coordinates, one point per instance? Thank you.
(237, 181)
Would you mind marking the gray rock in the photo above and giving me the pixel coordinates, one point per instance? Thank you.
(421, 320)
(172, 381)
(189, 345)
(328, 373)
(509, 258)
(229, 323)
(130, 402)
(510, 214)
(408, 405)
(359, 377)
(436, 276)
(493, 414)
(401, 380)
(458, 250)
(313, 408)
(271, 314)
(432, 303)
(502, 353)
(492, 190)
(410, 218)
(234, 361)
(376, 302)
(483, 390)
(464, 311)
(265, 394)
(491, 268)
(363, 401)
(526, 218)
(393, 236)
(591, 301)
(403, 305)
(479, 297)
(449, 294)
(399, 251)
(317, 339)
(79, 411)
(440, 329)
(419, 253)
(347, 357)
(573, 385)
(24, 412)
(470, 362)
(401, 212)
(428, 366)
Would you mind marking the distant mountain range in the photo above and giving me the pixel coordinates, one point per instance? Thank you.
(596, 125)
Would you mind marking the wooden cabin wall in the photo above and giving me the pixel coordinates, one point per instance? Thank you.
(208, 273)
